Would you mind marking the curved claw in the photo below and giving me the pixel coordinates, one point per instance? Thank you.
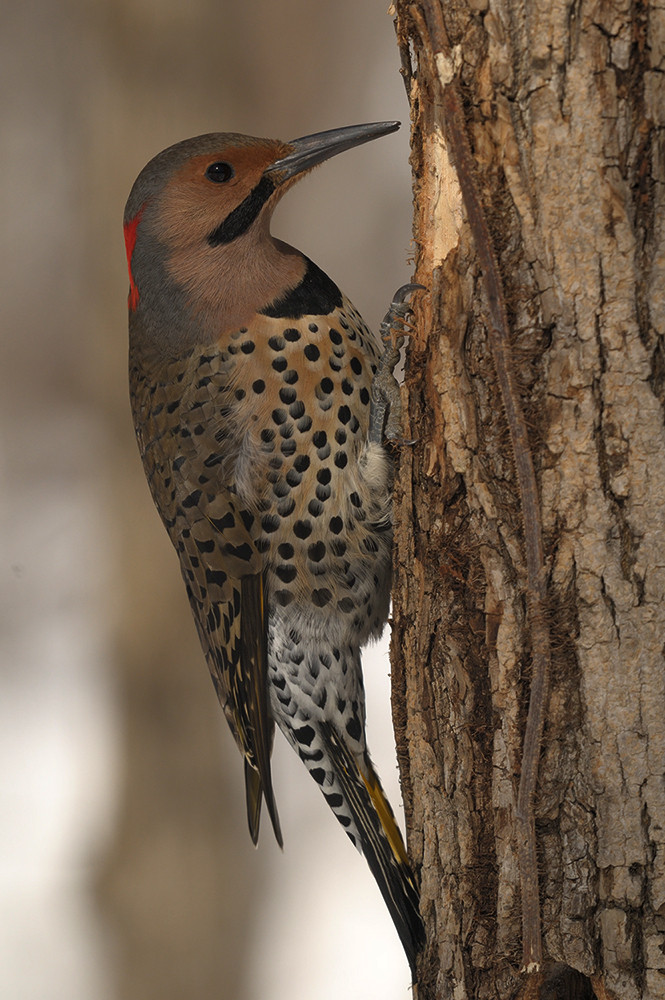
(405, 290)
(397, 315)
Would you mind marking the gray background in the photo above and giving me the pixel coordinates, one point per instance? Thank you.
(125, 867)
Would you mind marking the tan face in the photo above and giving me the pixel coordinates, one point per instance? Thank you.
(208, 187)
(204, 224)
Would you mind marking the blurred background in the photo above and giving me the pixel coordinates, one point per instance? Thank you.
(126, 870)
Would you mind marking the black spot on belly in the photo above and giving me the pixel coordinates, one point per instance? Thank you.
(287, 395)
(316, 551)
(286, 574)
(283, 597)
(353, 728)
(304, 735)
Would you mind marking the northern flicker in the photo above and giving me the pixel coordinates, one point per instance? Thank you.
(260, 426)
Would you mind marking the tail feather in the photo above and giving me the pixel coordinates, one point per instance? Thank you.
(254, 797)
(253, 643)
(380, 841)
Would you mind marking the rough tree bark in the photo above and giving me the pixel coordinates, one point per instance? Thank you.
(552, 113)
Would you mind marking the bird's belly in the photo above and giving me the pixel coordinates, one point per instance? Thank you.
(326, 541)
(319, 493)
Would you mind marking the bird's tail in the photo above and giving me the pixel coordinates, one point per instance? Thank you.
(380, 840)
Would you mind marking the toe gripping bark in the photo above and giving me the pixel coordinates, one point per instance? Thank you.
(386, 410)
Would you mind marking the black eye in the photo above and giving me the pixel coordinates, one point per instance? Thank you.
(220, 172)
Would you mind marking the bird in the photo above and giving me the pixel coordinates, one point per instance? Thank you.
(260, 420)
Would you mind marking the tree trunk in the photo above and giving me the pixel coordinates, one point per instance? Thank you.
(550, 114)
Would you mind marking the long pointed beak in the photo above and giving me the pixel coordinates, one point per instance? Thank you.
(312, 149)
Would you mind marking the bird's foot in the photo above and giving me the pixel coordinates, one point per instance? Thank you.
(386, 408)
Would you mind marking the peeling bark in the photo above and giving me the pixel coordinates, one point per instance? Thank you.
(563, 106)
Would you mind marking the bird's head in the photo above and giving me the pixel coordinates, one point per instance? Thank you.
(197, 220)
